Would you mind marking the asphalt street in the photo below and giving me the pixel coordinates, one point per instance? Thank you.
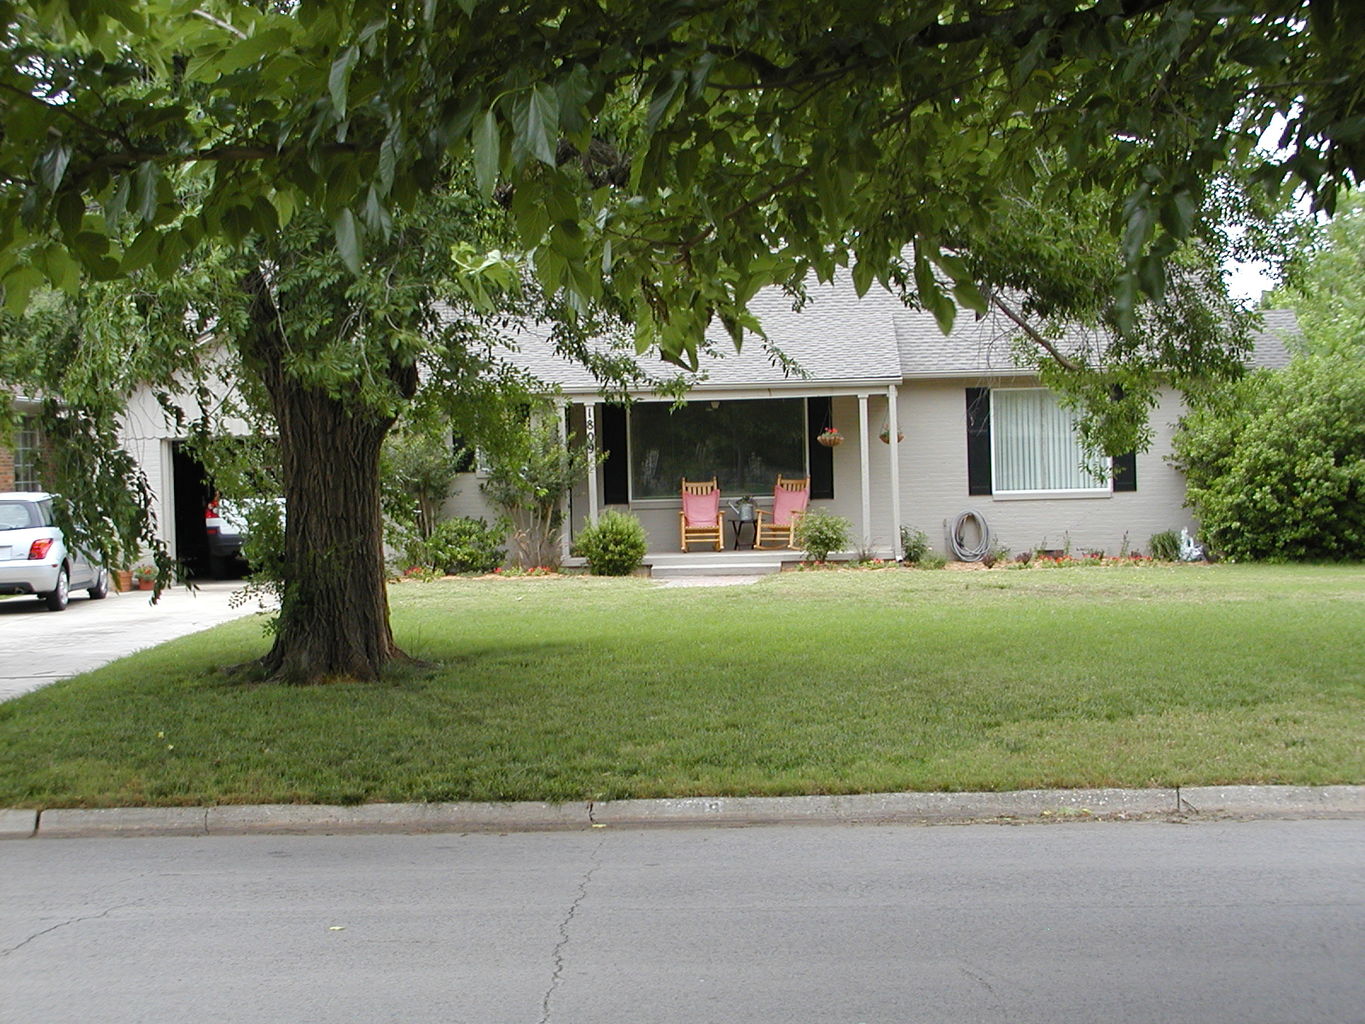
(38, 647)
(1221, 922)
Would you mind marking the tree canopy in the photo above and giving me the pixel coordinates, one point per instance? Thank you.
(684, 152)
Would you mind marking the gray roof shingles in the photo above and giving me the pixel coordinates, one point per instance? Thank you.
(839, 339)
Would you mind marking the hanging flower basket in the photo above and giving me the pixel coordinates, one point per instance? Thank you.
(830, 437)
(885, 435)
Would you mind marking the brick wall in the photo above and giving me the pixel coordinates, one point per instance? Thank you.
(6, 469)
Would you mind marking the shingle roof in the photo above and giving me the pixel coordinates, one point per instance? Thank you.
(837, 338)
(1279, 333)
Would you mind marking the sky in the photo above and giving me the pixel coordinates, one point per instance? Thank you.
(1246, 281)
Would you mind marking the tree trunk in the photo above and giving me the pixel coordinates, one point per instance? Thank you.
(334, 614)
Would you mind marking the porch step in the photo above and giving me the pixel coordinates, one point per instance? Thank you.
(717, 563)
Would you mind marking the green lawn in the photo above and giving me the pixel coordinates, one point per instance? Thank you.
(828, 682)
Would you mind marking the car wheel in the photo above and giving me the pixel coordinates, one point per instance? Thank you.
(61, 594)
(101, 588)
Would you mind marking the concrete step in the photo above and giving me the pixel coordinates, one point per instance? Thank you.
(665, 565)
(666, 572)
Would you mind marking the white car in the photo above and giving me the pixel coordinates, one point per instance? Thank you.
(34, 558)
(226, 527)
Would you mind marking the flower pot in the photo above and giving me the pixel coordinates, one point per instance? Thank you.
(885, 435)
(146, 584)
(123, 580)
(831, 440)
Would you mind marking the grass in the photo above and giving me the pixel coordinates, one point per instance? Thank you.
(580, 688)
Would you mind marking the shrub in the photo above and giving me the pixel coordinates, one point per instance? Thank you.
(615, 546)
(997, 553)
(1165, 546)
(466, 545)
(1275, 468)
(818, 533)
(915, 544)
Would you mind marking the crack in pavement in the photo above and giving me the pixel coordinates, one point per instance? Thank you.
(63, 924)
(558, 955)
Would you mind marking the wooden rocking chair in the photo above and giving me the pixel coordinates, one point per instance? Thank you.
(790, 498)
(701, 518)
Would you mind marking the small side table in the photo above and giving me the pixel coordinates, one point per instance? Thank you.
(739, 525)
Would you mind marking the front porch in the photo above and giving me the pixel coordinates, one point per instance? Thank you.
(857, 478)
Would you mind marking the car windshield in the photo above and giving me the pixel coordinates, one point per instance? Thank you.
(18, 515)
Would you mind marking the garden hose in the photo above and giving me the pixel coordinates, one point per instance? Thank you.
(961, 551)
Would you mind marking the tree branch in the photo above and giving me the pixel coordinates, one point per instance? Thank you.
(1033, 334)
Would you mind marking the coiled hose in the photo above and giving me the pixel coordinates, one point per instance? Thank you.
(961, 551)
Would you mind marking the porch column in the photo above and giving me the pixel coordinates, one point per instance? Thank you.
(565, 499)
(590, 438)
(864, 464)
(894, 445)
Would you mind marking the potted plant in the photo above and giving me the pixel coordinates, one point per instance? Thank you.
(830, 437)
(885, 435)
(145, 577)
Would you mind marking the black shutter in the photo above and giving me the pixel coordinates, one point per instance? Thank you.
(611, 438)
(978, 440)
(1125, 466)
(1125, 472)
(820, 458)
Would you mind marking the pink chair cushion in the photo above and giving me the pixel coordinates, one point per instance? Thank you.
(786, 502)
(701, 509)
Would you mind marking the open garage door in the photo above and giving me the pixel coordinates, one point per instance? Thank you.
(192, 488)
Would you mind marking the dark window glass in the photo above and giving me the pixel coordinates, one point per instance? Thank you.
(744, 444)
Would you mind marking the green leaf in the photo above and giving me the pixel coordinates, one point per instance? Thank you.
(388, 154)
(1177, 216)
(574, 93)
(148, 174)
(863, 274)
(18, 285)
(52, 166)
(968, 294)
(70, 212)
(338, 81)
(141, 253)
(264, 219)
(349, 243)
(538, 123)
(943, 309)
(663, 98)
(487, 145)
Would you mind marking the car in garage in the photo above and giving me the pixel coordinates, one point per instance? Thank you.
(227, 524)
(34, 556)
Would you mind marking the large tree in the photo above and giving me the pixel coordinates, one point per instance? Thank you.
(676, 154)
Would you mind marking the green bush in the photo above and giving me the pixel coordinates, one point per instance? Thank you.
(915, 544)
(466, 545)
(1275, 468)
(818, 533)
(1165, 546)
(615, 546)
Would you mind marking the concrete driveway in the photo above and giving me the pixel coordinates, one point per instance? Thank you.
(38, 647)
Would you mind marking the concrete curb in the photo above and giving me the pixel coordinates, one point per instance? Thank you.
(1039, 805)
(18, 824)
